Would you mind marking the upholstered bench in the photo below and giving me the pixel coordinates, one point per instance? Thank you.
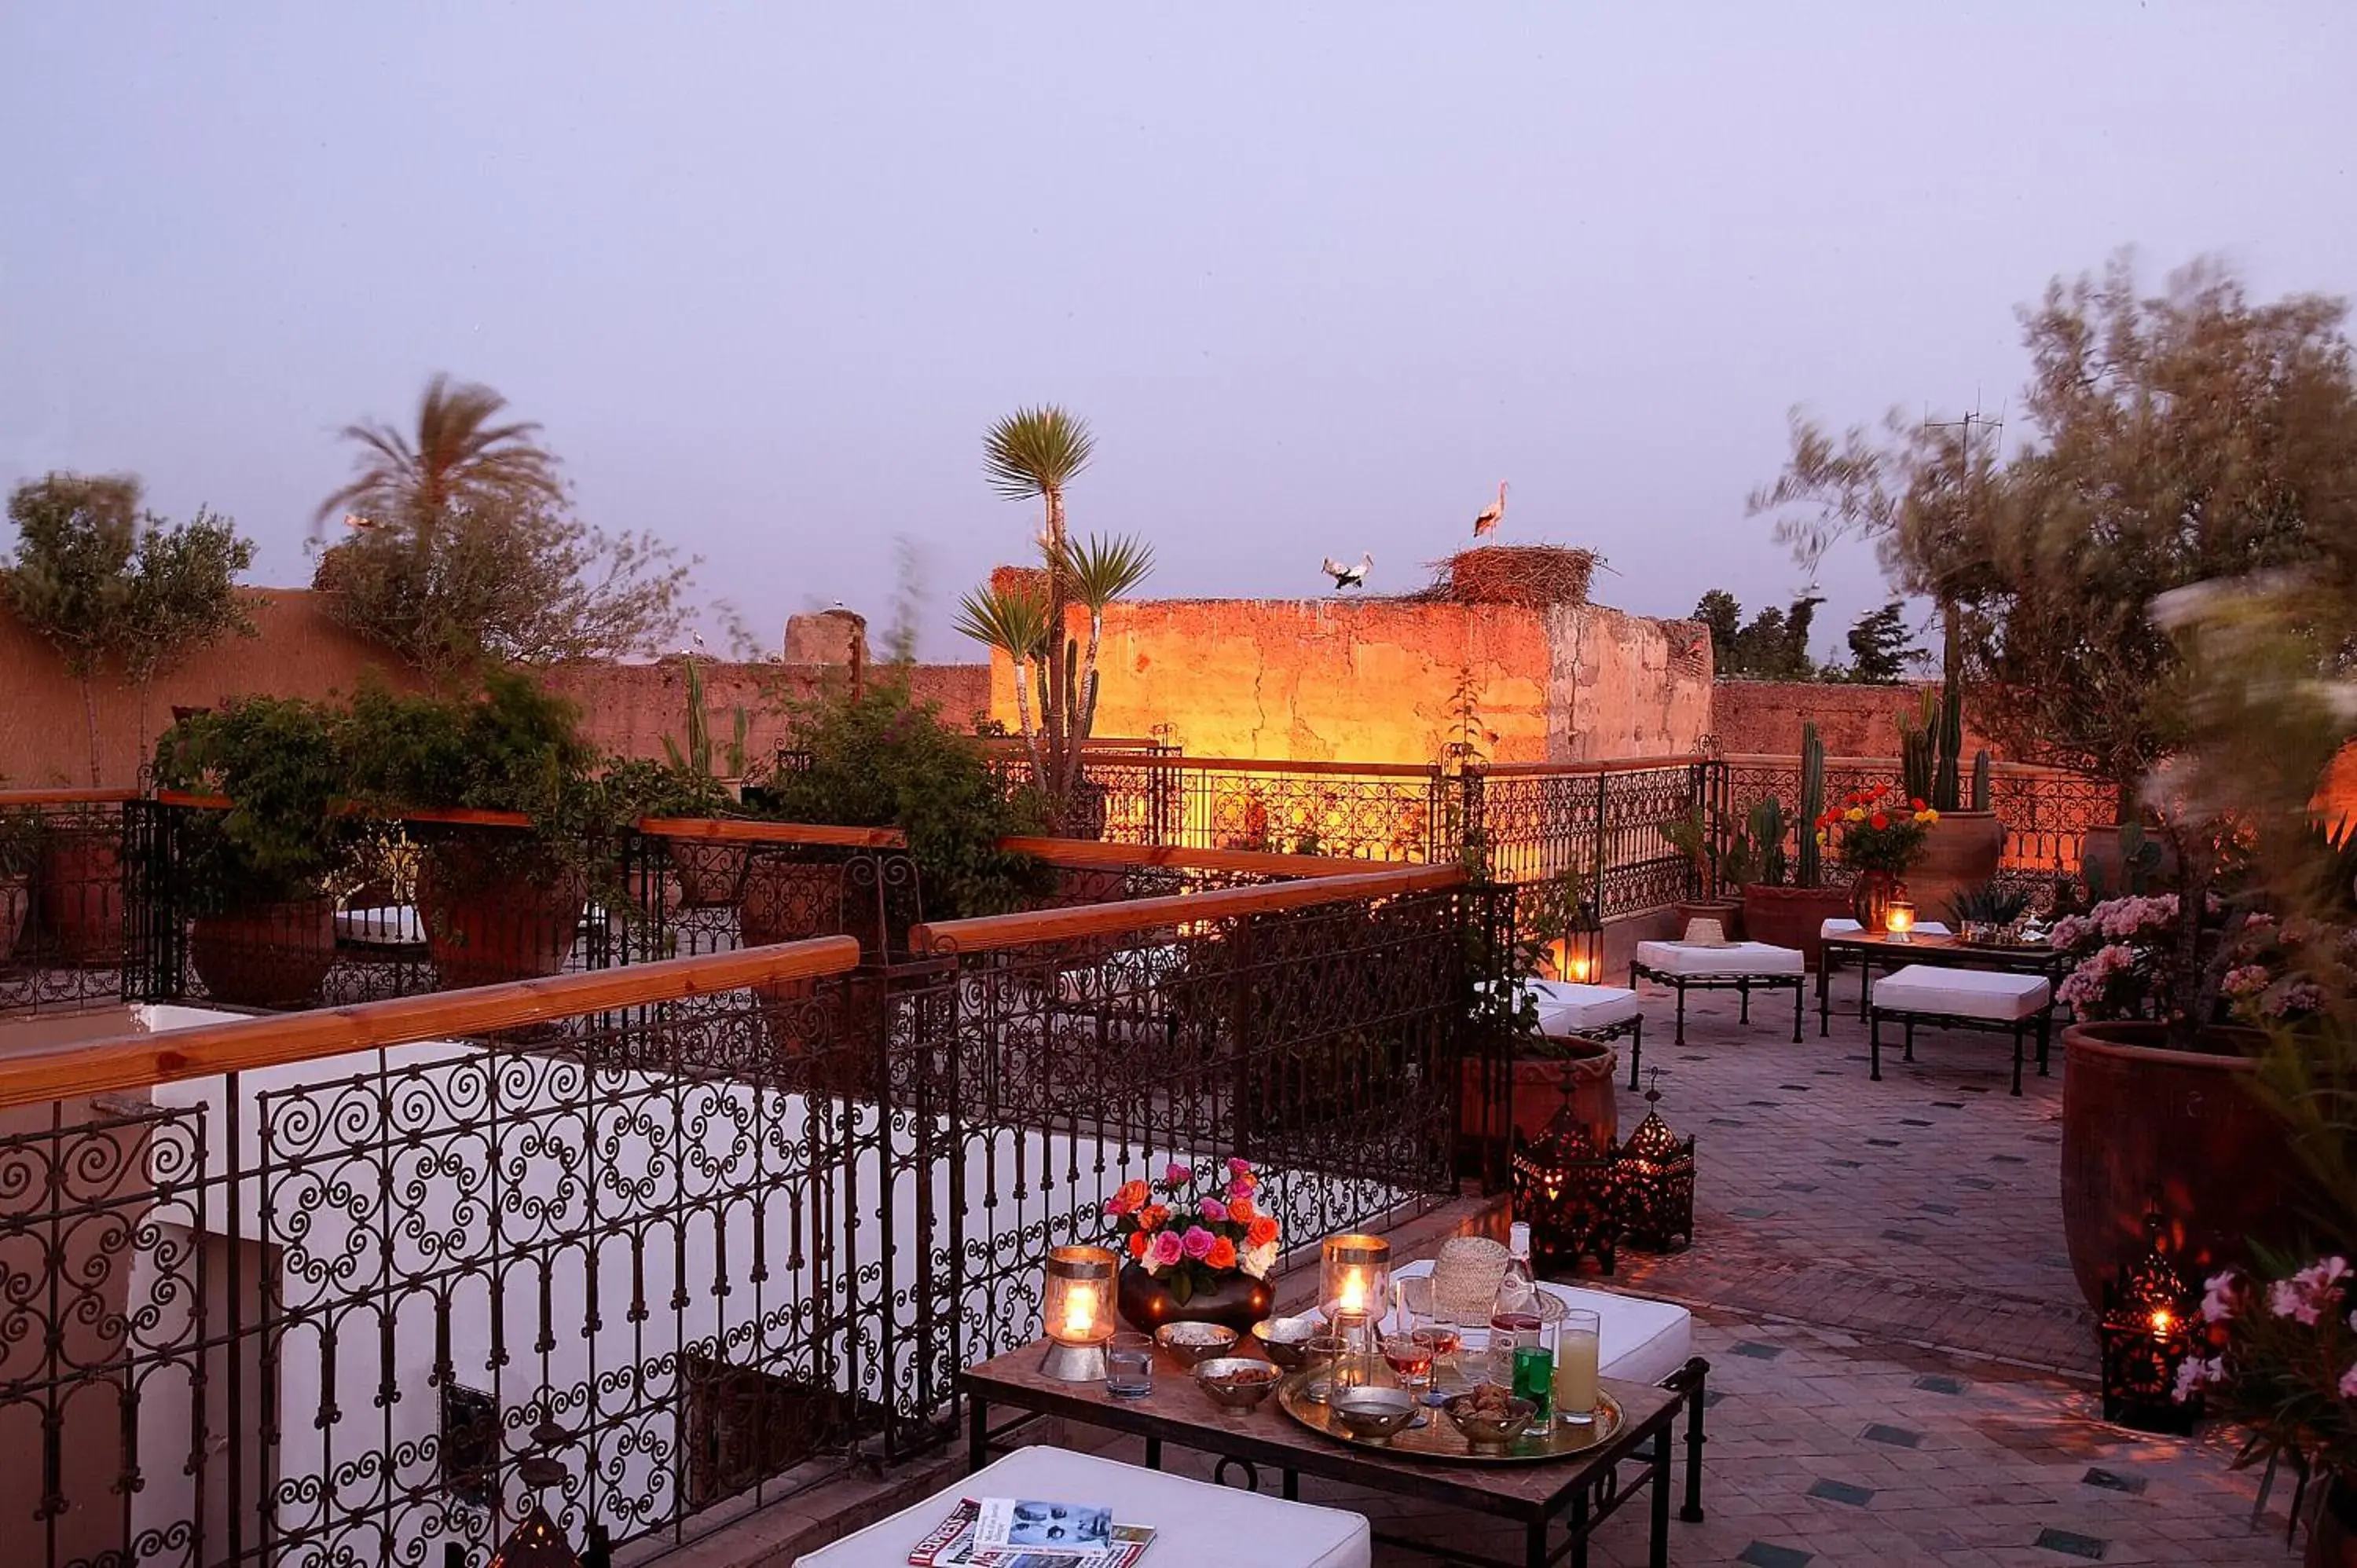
(1740, 967)
(1193, 1522)
(1963, 999)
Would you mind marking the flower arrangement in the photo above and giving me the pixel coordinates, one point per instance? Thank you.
(2132, 962)
(2282, 1362)
(1876, 829)
(1188, 1234)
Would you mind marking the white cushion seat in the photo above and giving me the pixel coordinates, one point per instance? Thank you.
(1638, 1339)
(1688, 961)
(1989, 994)
(1843, 925)
(1193, 1522)
(1568, 1007)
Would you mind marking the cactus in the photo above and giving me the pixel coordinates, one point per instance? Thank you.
(1944, 792)
(1811, 873)
(1767, 827)
(1917, 749)
(1981, 780)
(698, 756)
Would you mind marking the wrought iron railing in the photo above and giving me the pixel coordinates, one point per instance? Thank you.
(652, 1245)
(66, 936)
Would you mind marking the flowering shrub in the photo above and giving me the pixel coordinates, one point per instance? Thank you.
(2130, 959)
(2282, 1362)
(1876, 829)
(1190, 1234)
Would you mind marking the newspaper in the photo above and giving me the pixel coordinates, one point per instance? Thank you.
(952, 1544)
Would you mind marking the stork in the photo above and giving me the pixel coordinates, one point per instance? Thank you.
(360, 525)
(1348, 576)
(1490, 513)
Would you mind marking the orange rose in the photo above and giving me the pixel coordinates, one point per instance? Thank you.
(1241, 1210)
(1137, 1243)
(1222, 1254)
(1152, 1216)
(1262, 1231)
(1133, 1195)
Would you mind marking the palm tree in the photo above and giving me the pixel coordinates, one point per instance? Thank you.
(1100, 570)
(1013, 620)
(458, 458)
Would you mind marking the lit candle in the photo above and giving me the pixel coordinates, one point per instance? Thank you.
(1900, 920)
(1079, 1312)
(1354, 1302)
(2161, 1320)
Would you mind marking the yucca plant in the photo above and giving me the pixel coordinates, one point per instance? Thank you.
(1037, 452)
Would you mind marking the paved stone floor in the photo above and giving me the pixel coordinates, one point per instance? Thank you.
(1902, 1369)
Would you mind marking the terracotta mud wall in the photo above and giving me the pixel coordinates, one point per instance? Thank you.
(1765, 717)
(1378, 680)
(297, 651)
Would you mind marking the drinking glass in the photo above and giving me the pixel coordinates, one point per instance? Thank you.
(1323, 1355)
(1534, 1373)
(1443, 1341)
(1576, 1342)
(1129, 1366)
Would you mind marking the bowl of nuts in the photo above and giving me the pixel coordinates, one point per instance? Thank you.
(1489, 1417)
(1285, 1340)
(1191, 1343)
(1237, 1384)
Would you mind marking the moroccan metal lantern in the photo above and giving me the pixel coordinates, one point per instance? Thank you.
(1654, 1180)
(2150, 1325)
(1077, 1311)
(1578, 954)
(1354, 1281)
(536, 1542)
(1562, 1186)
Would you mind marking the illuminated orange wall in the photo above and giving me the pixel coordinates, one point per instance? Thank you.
(1377, 679)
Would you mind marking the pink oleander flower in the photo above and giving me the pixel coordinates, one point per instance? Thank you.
(2305, 1296)
(2218, 1298)
(2071, 930)
(2248, 980)
(2349, 1383)
(1168, 1250)
(1197, 1243)
(2195, 1373)
(1214, 1212)
(1178, 1174)
(2296, 1000)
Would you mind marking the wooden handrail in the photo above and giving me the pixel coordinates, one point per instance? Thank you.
(983, 932)
(1891, 764)
(1581, 770)
(1092, 854)
(134, 1061)
(66, 797)
(1278, 765)
(739, 830)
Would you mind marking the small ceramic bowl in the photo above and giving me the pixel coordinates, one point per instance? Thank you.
(1237, 1384)
(1373, 1415)
(1190, 1343)
(1285, 1340)
(1496, 1427)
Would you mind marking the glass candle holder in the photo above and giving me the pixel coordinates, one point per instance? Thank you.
(1900, 919)
(1077, 1307)
(1354, 1281)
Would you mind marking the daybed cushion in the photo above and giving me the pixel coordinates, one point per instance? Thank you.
(1843, 925)
(1641, 1340)
(1961, 992)
(1741, 958)
(1194, 1521)
(1568, 1008)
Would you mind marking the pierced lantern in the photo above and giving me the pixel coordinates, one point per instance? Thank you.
(2149, 1328)
(1078, 1312)
(536, 1542)
(1653, 1180)
(1898, 917)
(1578, 954)
(1354, 1281)
(1562, 1186)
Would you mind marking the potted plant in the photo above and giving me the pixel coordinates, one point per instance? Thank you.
(1987, 915)
(254, 874)
(20, 851)
(1539, 1070)
(686, 872)
(1963, 845)
(1794, 915)
(1194, 1249)
(1690, 836)
(1878, 834)
(497, 901)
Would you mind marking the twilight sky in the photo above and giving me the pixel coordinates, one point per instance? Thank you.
(1319, 276)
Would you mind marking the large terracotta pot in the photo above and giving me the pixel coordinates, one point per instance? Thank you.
(1792, 917)
(1536, 1093)
(1238, 1301)
(709, 874)
(488, 919)
(1727, 912)
(16, 899)
(2139, 1117)
(1961, 850)
(2100, 863)
(270, 956)
(2333, 1542)
(79, 883)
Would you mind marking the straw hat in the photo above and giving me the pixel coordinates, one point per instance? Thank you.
(1465, 1278)
(1705, 932)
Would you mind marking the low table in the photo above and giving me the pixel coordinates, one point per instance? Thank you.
(1882, 952)
(1580, 1492)
(1193, 1522)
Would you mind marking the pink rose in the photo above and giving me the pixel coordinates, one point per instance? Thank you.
(1214, 1212)
(1197, 1243)
(1166, 1249)
(1178, 1174)
(1238, 1169)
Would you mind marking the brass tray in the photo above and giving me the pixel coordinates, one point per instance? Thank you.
(1437, 1439)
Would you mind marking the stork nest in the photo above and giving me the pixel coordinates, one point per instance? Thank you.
(1534, 575)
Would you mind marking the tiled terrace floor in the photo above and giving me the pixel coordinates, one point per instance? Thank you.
(1901, 1364)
